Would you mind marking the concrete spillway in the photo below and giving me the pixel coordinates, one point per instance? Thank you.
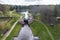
(25, 32)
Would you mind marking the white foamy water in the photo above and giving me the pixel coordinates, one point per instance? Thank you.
(26, 15)
(25, 33)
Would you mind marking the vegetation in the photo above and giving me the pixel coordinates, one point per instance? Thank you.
(5, 25)
(39, 30)
(15, 32)
(11, 22)
(55, 31)
(1, 14)
(2, 26)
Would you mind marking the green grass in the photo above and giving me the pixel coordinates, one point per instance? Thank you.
(14, 32)
(39, 30)
(5, 25)
(55, 31)
(1, 36)
(11, 22)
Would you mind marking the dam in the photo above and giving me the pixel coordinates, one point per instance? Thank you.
(26, 32)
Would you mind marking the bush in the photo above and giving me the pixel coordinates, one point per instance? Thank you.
(2, 26)
(1, 13)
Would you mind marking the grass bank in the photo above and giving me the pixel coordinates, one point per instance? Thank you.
(40, 31)
(6, 25)
(55, 30)
(14, 32)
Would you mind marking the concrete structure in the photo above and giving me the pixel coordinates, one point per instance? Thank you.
(25, 32)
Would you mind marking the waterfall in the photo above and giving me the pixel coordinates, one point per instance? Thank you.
(26, 15)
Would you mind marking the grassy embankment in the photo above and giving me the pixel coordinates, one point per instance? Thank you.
(15, 32)
(38, 30)
(55, 31)
(6, 25)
